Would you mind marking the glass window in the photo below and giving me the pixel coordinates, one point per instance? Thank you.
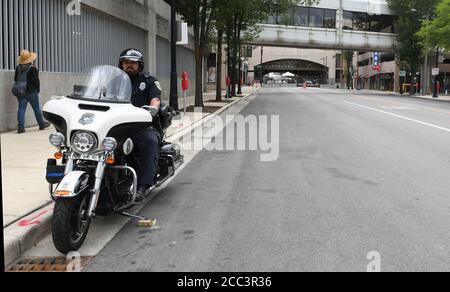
(286, 18)
(330, 18)
(348, 20)
(338, 61)
(360, 21)
(273, 19)
(301, 16)
(381, 23)
(316, 17)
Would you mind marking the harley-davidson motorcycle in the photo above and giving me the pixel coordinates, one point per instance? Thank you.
(95, 169)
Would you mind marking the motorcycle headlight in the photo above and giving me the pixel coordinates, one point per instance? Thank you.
(57, 139)
(84, 142)
(109, 144)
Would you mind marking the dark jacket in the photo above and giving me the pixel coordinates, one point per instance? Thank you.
(33, 82)
(146, 88)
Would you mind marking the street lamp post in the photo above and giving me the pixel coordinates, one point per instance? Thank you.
(435, 90)
(262, 66)
(173, 73)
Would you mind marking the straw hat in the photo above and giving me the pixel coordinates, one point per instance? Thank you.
(27, 57)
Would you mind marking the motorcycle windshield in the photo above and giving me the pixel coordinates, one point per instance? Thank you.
(105, 84)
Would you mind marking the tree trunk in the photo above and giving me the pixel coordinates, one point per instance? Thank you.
(219, 65)
(239, 62)
(229, 61)
(198, 69)
(234, 59)
(413, 73)
(198, 78)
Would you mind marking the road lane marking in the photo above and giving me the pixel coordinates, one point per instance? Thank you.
(401, 103)
(400, 116)
(400, 108)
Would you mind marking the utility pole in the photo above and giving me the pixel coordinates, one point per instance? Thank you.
(173, 73)
(262, 66)
(435, 89)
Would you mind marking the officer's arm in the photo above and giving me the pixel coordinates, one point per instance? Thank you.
(155, 95)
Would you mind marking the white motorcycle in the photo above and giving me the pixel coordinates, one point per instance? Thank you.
(98, 169)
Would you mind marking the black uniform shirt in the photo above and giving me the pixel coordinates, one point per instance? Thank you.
(145, 88)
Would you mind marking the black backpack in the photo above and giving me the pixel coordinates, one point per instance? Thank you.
(20, 87)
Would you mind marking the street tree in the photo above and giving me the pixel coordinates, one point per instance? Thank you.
(234, 18)
(241, 19)
(410, 15)
(200, 14)
(436, 32)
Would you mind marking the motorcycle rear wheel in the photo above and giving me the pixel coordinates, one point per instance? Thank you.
(70, 224)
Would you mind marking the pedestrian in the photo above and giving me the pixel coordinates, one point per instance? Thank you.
(26, 89)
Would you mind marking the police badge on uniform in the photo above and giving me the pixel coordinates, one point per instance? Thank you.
(143, 86)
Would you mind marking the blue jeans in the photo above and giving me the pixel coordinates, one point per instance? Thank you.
(33, 99)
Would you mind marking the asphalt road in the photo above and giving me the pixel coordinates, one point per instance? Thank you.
(356, 173)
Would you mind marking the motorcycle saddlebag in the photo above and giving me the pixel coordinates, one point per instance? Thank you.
(55, 173)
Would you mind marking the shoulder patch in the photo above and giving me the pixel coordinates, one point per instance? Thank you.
(147, 75)
(158, 85)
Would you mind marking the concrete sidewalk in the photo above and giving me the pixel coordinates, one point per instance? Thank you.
(441, 97)
(24, 159)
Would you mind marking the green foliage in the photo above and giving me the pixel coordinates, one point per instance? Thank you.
(238, 19)
(411, 14)
(436, 32)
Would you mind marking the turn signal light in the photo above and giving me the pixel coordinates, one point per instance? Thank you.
(110, 160)
(58, 155)
(62, 193)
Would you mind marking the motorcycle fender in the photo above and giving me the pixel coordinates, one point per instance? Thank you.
(72, 185)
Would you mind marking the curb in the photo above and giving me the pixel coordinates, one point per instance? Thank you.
(26, 232)
(406, 95)
(424, 98)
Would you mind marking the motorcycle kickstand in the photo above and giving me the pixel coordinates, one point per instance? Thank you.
(143, 222)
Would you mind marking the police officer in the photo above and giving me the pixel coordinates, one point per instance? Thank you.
(146, 92)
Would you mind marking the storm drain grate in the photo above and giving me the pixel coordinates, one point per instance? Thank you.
(35, 265)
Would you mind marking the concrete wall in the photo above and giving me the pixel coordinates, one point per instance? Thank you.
(51, 84)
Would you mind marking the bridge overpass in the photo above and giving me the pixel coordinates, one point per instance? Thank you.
(357, 25)
(321, 38)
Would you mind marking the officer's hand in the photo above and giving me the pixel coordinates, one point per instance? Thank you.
(153, 110)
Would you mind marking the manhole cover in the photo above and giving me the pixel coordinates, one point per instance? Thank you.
(59, 264)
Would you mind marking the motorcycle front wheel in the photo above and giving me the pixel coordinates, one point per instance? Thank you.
(70, 224)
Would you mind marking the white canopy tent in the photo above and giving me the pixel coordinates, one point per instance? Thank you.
(288, 74)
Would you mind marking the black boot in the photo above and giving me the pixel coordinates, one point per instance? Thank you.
(21, 131)
(141, 194)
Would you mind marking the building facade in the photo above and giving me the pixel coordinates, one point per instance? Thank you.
(70, 36)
